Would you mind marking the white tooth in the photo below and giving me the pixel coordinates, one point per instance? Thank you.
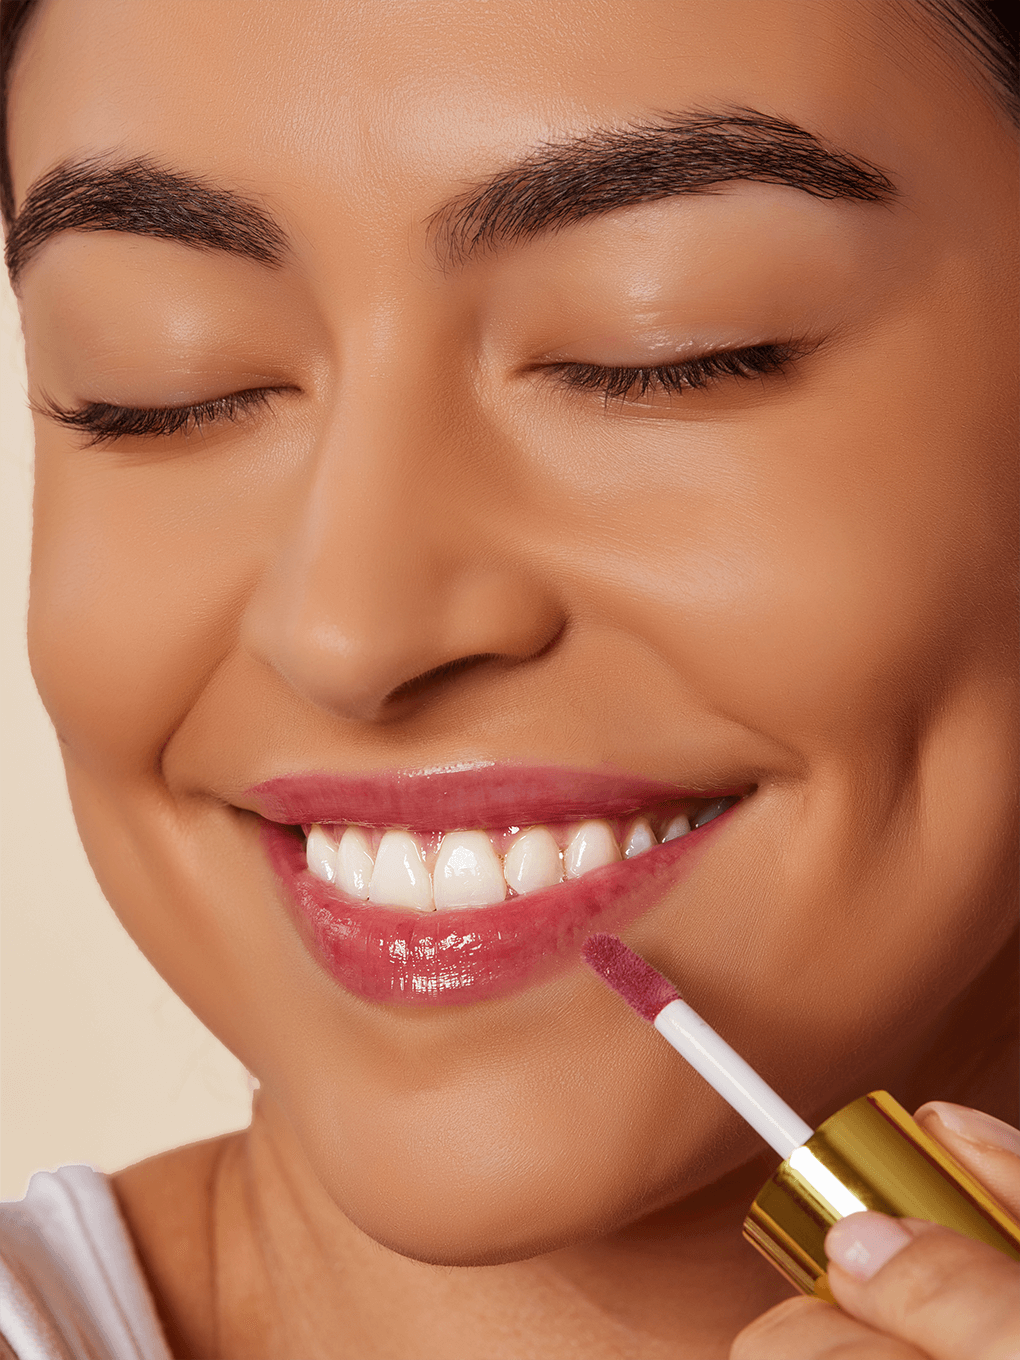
(679, 826)
(533, 861)
(467, 872)
(592, 846)
(400, 878)
(640, 838)
(321, 853)
(354, 863)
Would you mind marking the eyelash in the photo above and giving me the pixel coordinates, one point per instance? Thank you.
(104, 423)
(622, 384)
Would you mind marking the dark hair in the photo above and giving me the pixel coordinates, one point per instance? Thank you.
(987, 29)
(13, 15)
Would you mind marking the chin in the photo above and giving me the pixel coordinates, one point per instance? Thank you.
(506, 1182)
(448, 1223)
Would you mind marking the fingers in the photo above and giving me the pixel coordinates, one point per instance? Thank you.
(950, 1297)
(812, 1330)
(988, 1148)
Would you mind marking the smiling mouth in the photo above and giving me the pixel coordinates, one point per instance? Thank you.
(459, 883)
(452, 870)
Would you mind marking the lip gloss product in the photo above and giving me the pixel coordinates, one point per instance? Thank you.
(871, 1155)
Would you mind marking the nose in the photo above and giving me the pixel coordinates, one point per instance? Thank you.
(397, 569)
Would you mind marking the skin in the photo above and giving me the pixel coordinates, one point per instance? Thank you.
(804, 584)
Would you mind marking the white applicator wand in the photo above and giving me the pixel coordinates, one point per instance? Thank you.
(869, 1155)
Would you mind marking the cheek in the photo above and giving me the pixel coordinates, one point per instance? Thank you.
(819, 568)
(138, 575)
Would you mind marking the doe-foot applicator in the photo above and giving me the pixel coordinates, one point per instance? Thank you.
(869, 1155)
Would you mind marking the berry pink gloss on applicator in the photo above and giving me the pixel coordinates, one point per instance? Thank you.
(871, 1155)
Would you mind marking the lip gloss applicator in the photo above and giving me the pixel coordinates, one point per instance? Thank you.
(870, 1155)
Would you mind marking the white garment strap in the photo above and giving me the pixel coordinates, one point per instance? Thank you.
(71, 1287)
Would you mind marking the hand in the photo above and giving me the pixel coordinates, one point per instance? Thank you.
(909, 1290)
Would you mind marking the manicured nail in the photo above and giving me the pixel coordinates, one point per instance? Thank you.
(973, 1125)
(862, 1243)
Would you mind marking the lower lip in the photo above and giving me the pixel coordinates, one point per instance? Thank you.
(444, 958)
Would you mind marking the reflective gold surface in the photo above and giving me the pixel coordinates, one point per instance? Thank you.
(870, 1155)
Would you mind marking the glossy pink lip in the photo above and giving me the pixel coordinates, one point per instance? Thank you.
(391, 955)
(476, 796)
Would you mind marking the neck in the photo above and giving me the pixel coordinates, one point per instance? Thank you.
(294, 1276)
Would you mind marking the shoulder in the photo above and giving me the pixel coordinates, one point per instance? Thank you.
(70, 1281)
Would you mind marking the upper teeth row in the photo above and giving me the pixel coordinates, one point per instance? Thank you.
(468, 869)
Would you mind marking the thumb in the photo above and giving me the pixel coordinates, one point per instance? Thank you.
(988, 1148)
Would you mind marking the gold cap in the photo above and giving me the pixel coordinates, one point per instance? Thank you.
(870, 1155)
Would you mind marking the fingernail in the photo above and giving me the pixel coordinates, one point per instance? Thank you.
(974, 1125)
(862, 1243)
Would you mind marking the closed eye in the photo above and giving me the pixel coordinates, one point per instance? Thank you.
(631, 384)
(104, 423)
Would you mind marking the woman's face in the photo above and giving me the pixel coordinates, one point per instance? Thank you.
(440, 543)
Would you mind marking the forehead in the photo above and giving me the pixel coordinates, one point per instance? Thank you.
(380, 111)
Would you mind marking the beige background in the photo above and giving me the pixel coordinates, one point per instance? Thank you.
(99, 1061)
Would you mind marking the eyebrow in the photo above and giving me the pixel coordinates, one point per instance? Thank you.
(562, 183)
(144, 199)
(557, 185)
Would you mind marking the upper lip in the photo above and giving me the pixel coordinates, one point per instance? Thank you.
(485, 794)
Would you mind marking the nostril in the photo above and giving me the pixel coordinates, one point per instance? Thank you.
(438, 675)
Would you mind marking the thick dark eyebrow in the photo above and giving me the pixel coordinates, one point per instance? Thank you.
(556, 186)
(100, 194)
(562, 183)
